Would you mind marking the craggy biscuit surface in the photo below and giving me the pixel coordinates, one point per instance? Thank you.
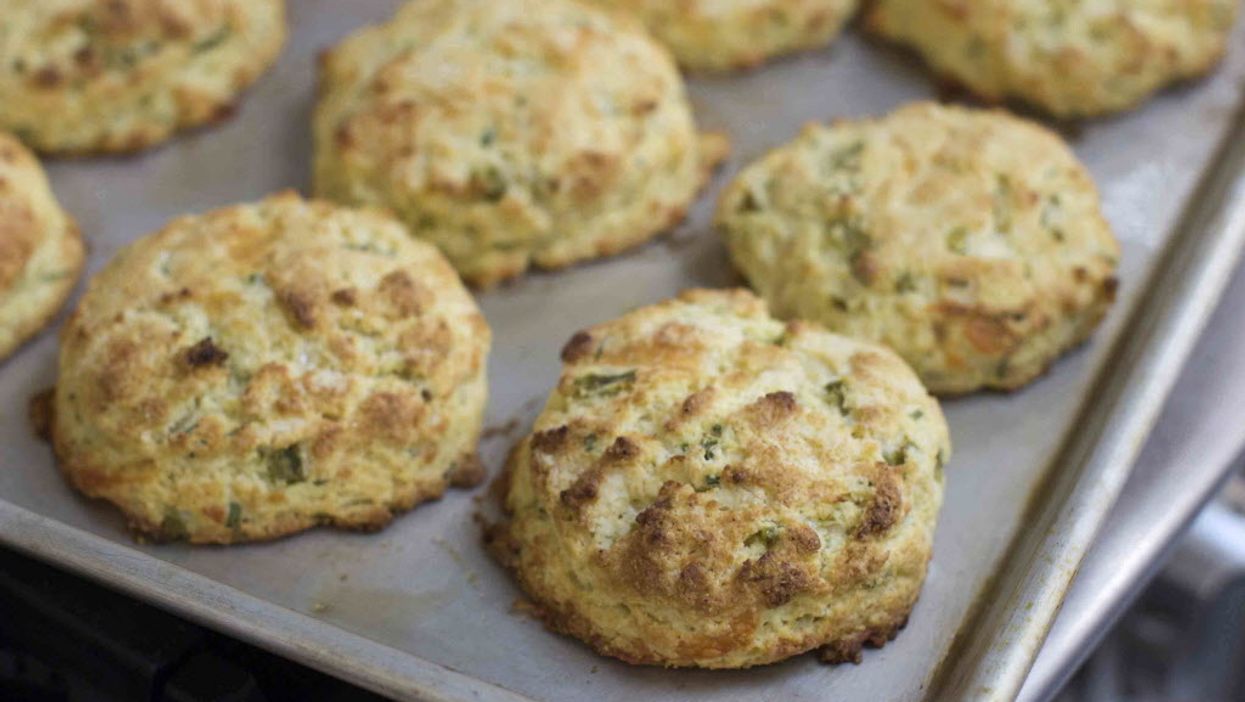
(717, 35)
(710, 487)
(511, 134)
(1072, 58)
(969, 241)
(41, 252)
(85, 76)
(264, 368)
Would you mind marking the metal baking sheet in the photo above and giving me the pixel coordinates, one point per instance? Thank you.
(420, 611)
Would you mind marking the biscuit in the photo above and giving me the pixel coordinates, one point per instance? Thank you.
(511, 134)
(261, 369)
(709, 487)
(721, 35)
(88, 76)
(970, 241)
(1071, 59)
(41, 252)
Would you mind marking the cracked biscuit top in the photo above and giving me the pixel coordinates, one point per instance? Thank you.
(710, 487)
(263, 368)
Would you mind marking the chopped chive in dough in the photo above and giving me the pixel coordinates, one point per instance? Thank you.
(767, 535)
(285, 465)
(604, 385)
(173, 527)
(836, 395)
(898, 456)
(234, 520)
(710, 442)
(212, 41)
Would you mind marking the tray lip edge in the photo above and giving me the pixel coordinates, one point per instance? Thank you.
(1001, 666)
(171, 587)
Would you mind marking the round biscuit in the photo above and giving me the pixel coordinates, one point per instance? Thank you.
(90, 76)
(723, 35)
(709, 487)
(264, 368)
(41, 252)
(511, 134)
(1071, 59)
(971, 242)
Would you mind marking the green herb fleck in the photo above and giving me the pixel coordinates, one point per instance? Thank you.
(185, 425)
(490, 183)
(767, 535)
(917, 414)
(1053, 203)
(212, 41)
(899, 456)
(604, 385)
(590, 443)
(488, 138)
(847, 157)
(836, 395)
(905, 283)
(173, 527)
(234, 520)
(1004, 367)
(285, 465)
(711, 482)
(710, 443)
(849, 234)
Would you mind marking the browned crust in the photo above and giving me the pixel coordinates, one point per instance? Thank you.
(1019, 383)
(39, 412)
(23, 333)
(735, 591)
(145, 531)
(565, 620)
(849, 649)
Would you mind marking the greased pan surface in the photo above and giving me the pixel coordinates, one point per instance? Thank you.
(419, 609)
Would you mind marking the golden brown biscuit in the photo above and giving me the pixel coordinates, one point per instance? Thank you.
(41, 252)
(264, 368)
(971, 242)
(719, 35)
(1072, 58)
(84, 76)
(511, 134)
(710, 487)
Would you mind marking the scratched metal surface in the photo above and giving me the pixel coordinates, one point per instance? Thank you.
(419, 609)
